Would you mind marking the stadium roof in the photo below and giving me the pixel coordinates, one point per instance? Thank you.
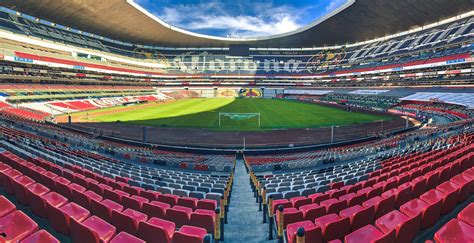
(357, 20)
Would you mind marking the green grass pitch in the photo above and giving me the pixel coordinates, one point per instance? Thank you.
(204, 113)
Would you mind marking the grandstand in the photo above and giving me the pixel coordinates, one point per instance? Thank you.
(110, 126)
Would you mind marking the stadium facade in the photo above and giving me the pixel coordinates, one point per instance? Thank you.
(420, 53)
(408, 177)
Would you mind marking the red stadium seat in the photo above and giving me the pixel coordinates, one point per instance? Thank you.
(150, 195)
(68, 174)
(204, 218)
(312, 211)
(433, 196)
(208, 204)
(7, 180)
(364, 191)
(382, 205)
(134, 202)
(21, 193)
(466, 186)
(333, 205)
(352, 188)
(155, 209)
(311, 233)
(390, 183)
(3, 167)
(283, 202)
(51, 182)
(333, 226)
(49, 175)
(52, 198)
(134, 190)
(318, 197)
(189, 202)
(290, 215)
(93, 229)
(104, 209)
(40, 236)
(16, 226)
(117, 185)
(115, 195)
(430, 213)
(375, 191)
(467, 215)
(297, 202)
(454, 168)
(156, 230)
(66, 190)
(406, 227)
(82, 181)
(99, 188)
(124, 237)
(445, 173)
(359, 216)
(189, 234)
(59, 218)
(335, 193)
(353, 199)
(128, 220)
(432, 179)
(402, 178)
(455, 231)
(6, 206)
(418, 186)
(336, 185)
(36, 189)
(369, 233)
(84, 198)
(403, 194)
(179, 215)
(450, 196)
(169, 199)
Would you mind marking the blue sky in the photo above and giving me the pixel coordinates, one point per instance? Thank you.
(240, 18)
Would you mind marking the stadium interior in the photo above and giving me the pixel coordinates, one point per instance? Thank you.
(116, 127)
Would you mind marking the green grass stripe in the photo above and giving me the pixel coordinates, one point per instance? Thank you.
(204, 113)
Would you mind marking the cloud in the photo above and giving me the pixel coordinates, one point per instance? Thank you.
(334, 4)
(238, 18)
(211, 16)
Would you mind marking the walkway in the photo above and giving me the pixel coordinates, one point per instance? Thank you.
(244, 219)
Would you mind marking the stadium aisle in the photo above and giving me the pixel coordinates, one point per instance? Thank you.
(244, 219)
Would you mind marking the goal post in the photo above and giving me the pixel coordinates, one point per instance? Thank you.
(239, 116)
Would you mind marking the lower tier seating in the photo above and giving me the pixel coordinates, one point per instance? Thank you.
(393, 204)
(16, 226)
(459, 229)
(100, 213)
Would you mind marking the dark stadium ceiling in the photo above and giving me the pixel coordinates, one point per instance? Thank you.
(356, 21)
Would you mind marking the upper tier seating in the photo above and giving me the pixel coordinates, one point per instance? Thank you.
(416, 48)
(32, 115)
(361, 101)
(4, 105)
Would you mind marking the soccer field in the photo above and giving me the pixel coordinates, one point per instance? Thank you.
(204, 113)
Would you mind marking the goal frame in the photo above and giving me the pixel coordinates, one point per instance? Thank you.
(239, 113)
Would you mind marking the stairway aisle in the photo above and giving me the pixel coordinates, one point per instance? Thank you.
(244, 219)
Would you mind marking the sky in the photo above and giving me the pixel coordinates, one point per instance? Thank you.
(240, 18)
